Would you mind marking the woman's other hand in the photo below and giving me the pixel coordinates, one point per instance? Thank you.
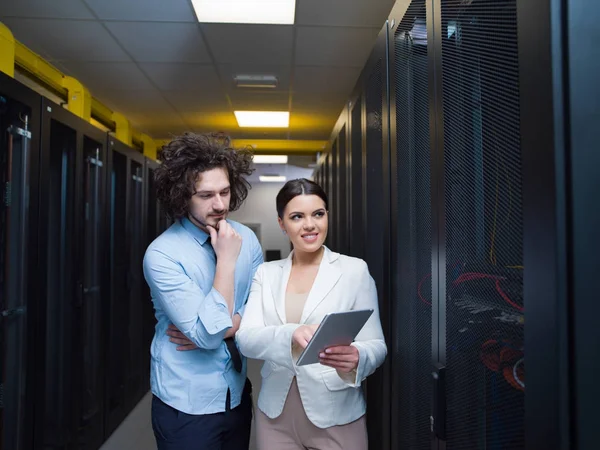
(303, 335)
(343, 358)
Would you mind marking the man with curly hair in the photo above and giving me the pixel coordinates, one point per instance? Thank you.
(199, 272)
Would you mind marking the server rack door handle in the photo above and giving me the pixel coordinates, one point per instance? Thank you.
(438, 417)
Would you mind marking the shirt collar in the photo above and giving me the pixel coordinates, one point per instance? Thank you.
(200, 236)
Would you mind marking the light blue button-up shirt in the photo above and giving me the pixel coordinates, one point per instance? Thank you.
(179, 267)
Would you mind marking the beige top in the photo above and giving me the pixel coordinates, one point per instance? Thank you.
(294, 305)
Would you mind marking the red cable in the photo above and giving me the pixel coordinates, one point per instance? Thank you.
(505, 297)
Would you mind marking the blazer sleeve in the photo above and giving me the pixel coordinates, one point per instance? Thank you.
(257, 340)
(370, 342)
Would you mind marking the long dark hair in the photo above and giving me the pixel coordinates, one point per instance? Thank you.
(190, 154)
(293, 188)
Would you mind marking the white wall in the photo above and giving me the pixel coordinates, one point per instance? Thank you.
(259, 207)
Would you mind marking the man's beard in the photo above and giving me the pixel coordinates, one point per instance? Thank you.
(215, 222)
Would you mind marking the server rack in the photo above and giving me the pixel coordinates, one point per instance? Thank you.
(73, 156)
(493, 106)
(412, 232)
(19, 130)
(126, 362)
(355, 175)
(342, 228)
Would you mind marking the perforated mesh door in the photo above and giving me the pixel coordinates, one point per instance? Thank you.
(356, 219)
(484, 284)
(412, 362)
(342, 194)
(374, 235)
(374, 171)
(91, 420)
(138, 370)
(119, 315)
(333, 199)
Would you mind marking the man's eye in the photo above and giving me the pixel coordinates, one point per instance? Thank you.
(206, 197)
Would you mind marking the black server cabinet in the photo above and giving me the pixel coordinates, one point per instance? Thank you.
(126, 363)
(480, 251)
(73, 161)
(483, 192)
(411, 311)
(333, 198)
(327, 188)
(370, 205)
(138, 373)
(156, 222)
(559, 69)
(355, 178)
(19, 144)
(341, 202)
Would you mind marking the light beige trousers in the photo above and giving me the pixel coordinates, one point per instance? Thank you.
(292, 430)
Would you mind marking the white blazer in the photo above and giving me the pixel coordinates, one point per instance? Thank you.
(343, 283)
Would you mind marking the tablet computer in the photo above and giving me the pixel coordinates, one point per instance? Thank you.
(335, 329)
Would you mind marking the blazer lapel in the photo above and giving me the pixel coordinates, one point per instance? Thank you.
(327, 277)
(279, 290)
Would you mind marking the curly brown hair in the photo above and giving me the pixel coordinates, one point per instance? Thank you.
(190, 154)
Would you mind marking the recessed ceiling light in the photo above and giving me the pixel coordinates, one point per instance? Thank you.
(272, 178)
(255, 81)
(263, 119)
(270, 159)
(245, 11)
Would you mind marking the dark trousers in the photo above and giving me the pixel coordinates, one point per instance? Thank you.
(229, 430)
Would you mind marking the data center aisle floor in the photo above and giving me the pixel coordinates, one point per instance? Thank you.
(135, 433)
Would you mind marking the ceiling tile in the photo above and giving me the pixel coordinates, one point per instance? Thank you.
(323, 102)
(163, 130)
(348, 13)
(334, 46)
(197, 102)
(67, 40)
(325, 79)
(161, 42)
(252, 44)
(142, 10)
(216, 120)
(99, 77)
(313, 134)
(179, 76)
(259, 101)
(228, 71)
(58, 9)
(146, 104)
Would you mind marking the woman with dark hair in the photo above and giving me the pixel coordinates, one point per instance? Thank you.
(317, 406)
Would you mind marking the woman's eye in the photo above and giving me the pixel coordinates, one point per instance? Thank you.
(320, 214)
(296, 217)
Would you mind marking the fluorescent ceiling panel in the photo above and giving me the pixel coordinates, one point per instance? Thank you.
(279, 12)
(263, 119)
(272, 178)
(270, 159)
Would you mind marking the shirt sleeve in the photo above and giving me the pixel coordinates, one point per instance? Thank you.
(257, 260)
(203, 318)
